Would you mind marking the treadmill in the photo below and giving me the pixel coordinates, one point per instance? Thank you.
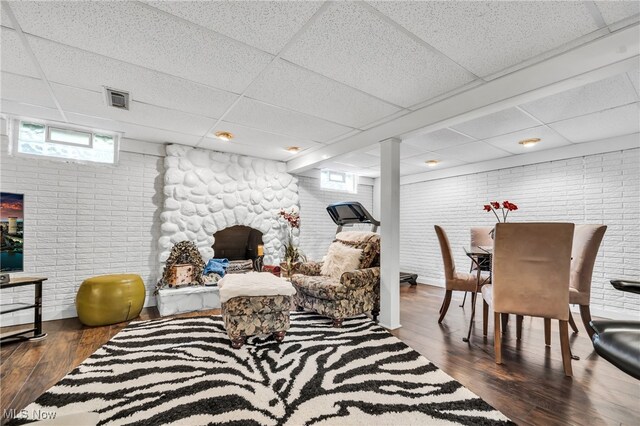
(349, 213)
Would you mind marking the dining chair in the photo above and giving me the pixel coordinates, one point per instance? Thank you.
(531, 272)
(586, 242)
(480, 236)
(454, 280)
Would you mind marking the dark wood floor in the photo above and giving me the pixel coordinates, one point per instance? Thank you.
(529, 387)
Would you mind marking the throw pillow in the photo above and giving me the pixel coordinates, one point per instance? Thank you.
(340, 259)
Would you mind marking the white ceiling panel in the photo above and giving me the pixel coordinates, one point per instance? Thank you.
(261, 140)
(298, 89)
(412, 169)
(358, 159)
(25, 89)
(488, 36)
(439, 139)
(351, 44)
(4, 20)
(444, 161)
(13, 56)
(614, 11)
(472, 152)
(273, 119)
(406, 151)
(93, 103)
(634, 76)
(267, 25)
(604, 94)
(28, 110)
(618, 121)
(509, 143)
(241, 149)
(139, 35)
(92, 71)
(499, 123)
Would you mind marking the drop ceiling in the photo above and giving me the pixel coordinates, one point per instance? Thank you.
(308, 74)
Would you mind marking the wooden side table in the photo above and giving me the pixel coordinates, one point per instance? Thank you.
(22, 335)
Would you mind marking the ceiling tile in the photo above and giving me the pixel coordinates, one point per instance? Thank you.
(444, 161)
(498, 123)
(357, 159)
(411, 169)
(406, 151)
(604, 94)
(134, 131)
(488, 36)
(93, 103)
(13, 56)
(439, 139)
(260, 139)
(91, 71)
(241, 149)
(4, 20)
(472, 152)
(267, 25)
(353, 45)
(509, 143)
(273, 119)
(600, 125)
(27, 90)
(134, 33)
(614, 11)
(298, 89)
(634, 76)
(29, 110)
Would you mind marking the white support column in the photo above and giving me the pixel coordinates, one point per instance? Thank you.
(390, 233)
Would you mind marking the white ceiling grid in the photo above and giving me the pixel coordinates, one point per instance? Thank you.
(308, 74)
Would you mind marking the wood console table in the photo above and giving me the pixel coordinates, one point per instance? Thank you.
(22, 335)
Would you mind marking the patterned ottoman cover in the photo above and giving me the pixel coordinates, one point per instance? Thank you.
(255, 303)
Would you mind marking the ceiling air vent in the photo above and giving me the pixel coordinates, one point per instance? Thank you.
(117, 98)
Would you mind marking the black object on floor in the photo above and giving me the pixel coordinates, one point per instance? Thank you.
(619, 341)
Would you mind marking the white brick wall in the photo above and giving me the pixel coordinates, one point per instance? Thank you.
(81, 221)
(603, 188)
(317, 230)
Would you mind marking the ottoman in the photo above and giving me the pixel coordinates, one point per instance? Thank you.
(110, 299)
(255, 303)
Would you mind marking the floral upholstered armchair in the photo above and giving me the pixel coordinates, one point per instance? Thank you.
(354, 292)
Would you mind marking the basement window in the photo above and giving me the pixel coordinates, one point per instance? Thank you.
(37, 139)
(339, 181)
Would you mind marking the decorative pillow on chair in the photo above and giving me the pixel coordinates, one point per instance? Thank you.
(340, 259)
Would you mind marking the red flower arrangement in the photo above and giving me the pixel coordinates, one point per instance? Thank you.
(292, 218)
(505, 208)
(292, 254)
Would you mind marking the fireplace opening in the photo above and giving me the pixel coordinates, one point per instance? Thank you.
(237, 243)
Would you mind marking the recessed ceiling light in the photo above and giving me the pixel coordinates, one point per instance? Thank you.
(293, 149)
(431, 163)
(224, 136)
(528, 143)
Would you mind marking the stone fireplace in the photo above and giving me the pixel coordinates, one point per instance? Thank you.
(208, 191)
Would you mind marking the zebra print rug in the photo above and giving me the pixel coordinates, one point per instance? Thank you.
(183, 372)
